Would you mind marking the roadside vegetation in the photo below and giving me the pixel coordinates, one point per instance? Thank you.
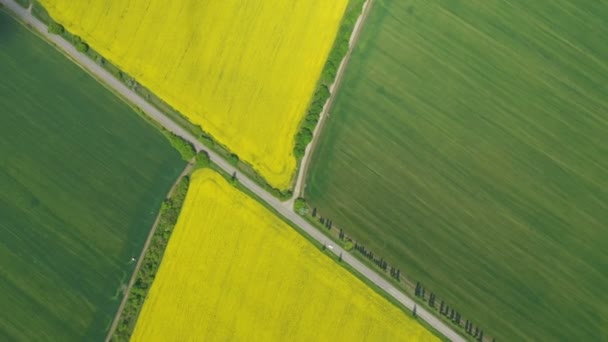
(328, 76)
(466, 147)
(169, 212)
(183, 146)
(167, 218)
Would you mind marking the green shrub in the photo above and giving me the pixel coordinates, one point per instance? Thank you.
(233, 159)
(183, 146)
(207, 140)
(348, 246)
(56, 28)
(300, 206)
(202, 160)
(303, 138)
(82, 47)
(328, 75)
(80, 44)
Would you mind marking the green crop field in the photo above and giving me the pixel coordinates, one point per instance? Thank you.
(81, 180)
(469, 146)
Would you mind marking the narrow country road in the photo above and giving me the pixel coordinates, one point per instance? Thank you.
(140, 259)
(287, 212)
(333, 90)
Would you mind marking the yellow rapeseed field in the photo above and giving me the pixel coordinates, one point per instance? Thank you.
(243, 70)
(234, 271)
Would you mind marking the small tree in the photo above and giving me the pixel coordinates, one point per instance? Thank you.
(56, 28)
(303, 138)
(432, 299)
(340, 257)
(414, 311)
(82, 47)
(233, 159)
(202, 160)
(233, 178)
(348, 246)
(183, 146)
(300, 206)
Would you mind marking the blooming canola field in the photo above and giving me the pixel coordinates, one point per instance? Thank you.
(234, 271)
(243, 70)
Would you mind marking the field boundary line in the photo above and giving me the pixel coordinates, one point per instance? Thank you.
(333, 90)
(140, 259)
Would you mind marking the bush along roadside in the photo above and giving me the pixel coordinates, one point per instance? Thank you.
(169, 212)
(183, 146)
(328, 76)
(416, 289)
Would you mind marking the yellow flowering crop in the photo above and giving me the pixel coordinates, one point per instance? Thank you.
(243, 70)
(234, 271)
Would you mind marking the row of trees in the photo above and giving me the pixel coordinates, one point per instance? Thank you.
(368, 254)
(56, 28)
(328, 76)
(419, 290)
(380, 262)
(327, 222)
(448, 312)
(304, 135)
(169, 213)
(396, 273)
(80, 44)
